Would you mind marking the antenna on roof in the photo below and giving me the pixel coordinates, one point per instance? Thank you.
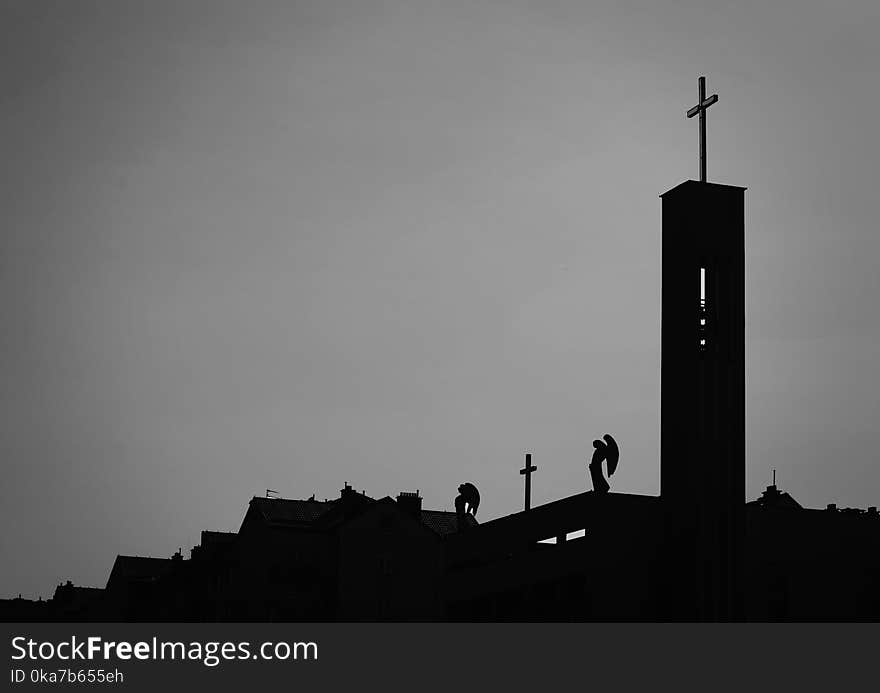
(774, 477)
(268, 491)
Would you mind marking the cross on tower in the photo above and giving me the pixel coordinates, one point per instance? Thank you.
(527, 471)
(702, 104)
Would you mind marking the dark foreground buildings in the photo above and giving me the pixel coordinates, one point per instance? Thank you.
(698, 552)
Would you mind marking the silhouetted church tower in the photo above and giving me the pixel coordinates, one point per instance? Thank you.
(702, 422)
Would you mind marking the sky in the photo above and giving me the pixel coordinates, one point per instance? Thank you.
(400, 244)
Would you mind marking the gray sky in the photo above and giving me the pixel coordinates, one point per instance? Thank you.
(289, 245)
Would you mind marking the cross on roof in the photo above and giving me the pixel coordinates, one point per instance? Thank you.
(527, 471)
(702, 104)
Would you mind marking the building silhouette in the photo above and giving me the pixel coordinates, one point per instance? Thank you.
(696, 552)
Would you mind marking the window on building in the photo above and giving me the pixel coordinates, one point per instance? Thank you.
(703, 314)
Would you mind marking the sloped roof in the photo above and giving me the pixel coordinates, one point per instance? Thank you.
(69, 595)
(443, 522)
(76, 589)
(139, 568)
(297, 513)
(212, 538)
(287, 511)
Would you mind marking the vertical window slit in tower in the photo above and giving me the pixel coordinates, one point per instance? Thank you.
(702, 311)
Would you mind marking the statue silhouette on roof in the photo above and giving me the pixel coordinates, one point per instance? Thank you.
(606, 449)
(467, 501)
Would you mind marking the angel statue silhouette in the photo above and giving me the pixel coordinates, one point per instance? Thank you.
(467, 501)
(606, 450)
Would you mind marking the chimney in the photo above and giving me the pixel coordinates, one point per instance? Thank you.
(351, 501)
(410, 503)
(832, 507)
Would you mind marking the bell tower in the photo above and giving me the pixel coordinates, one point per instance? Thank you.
(702, 390)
